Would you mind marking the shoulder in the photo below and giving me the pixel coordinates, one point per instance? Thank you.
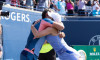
(48, 20)
(72, 2)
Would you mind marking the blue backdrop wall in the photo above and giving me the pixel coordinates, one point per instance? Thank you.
(16, 29)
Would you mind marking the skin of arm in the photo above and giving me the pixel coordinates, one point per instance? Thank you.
(85, 2)
(58, 25)
(49, 3)
(56, 7)
(45, 32)
(34, 2)
(72, 4)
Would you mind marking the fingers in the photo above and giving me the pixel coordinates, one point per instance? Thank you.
(37, 21)
(61, 34)
(32, 27)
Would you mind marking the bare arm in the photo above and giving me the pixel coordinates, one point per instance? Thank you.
(85, 2)
(72, 4)
(49, 3)
(45, 32)
(58, 25)
(56, 7)
(34, 2)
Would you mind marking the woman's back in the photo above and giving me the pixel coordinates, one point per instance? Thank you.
(69, 6)
(61, 47)
(55, 42)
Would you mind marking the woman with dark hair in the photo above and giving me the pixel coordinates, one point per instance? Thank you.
(31, 52)
(63, 51)
(70, 7)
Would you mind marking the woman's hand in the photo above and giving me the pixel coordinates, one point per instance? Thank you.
(36, 22)
(32, 27)
(61, 34)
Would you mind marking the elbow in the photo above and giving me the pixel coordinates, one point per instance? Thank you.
(36, 36)
(61, 28)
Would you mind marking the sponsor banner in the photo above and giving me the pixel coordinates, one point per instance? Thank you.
(92, 52)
